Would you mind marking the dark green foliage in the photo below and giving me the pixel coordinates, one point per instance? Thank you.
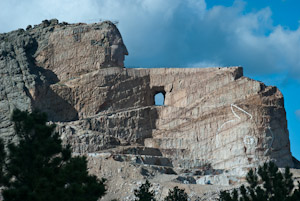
(2, 159)
(268, 184)
(144, 193)
(176, 195)
(39, 168)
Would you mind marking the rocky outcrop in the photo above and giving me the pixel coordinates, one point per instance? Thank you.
(214, 125)
(212, 116)
(32, 61)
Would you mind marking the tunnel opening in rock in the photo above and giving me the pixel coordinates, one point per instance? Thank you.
(159, 99)
(158, 95)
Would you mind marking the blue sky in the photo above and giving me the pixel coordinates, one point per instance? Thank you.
(263, 36)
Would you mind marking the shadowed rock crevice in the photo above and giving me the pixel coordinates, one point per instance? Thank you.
(57, 108)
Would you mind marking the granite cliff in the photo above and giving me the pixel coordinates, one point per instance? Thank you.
(214, 125)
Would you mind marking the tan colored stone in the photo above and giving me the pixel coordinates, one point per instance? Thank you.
(217, 115)
(215, 125)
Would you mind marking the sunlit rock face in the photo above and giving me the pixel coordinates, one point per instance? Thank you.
(79, 49)
(213, 119)
(211, 116)
(34, 61)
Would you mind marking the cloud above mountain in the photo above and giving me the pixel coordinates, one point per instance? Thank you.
(297, 113)
(178, 33)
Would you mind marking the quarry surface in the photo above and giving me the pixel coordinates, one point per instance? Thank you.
(214, 126)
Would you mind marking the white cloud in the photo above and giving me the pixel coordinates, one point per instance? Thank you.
(203, 64)
(177, 33)
(297, 112)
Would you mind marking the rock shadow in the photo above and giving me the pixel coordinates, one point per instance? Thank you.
(57, 108)
(43, 97)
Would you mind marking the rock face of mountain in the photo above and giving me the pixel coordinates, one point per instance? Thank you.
(35, 61)
(211, 117)
(213, 121)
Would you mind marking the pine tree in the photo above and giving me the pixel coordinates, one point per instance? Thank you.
(267, 184)
(2, 160)
(144, 193)
(176, 195)
(39, 168)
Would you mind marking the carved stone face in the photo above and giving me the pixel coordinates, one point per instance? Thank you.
(73, 51)
(118, 53)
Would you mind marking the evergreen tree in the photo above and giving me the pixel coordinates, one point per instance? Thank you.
(39, 168)
(267, 184)
(144, 193)
(2, 160)
(176, 195)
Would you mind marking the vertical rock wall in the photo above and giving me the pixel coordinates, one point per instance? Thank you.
(221, 118)
(215, 116)
(212, 116)
(32, 61)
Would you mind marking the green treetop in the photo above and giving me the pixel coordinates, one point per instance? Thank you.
(39, 168)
